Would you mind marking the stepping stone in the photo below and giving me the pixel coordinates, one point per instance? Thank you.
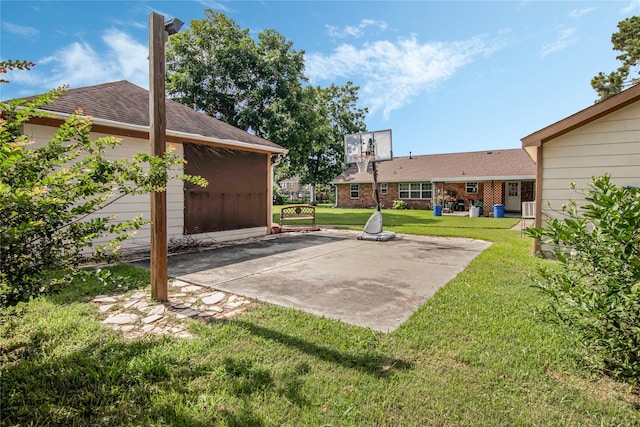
(233, 304)
(147, 328)
(141, 305)
(205, 314)
(187, 313)
(105, 308)
(214, 298)
(215, 308)
(121, 319)
(179, 305)
(131, 303)
(158, 309)
(152, 318)
(104, 298)
(179, 283)
(191, 288)
(180, 294)
(127, 328)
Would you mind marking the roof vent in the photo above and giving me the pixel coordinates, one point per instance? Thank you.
(489, 152)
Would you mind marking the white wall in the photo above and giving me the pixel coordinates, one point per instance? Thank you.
(132, 205)
(610, 144)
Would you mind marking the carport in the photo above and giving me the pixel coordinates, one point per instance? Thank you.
(330, 273)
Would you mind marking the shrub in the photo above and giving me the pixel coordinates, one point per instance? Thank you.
(400, 205)
(278, 197)
(51, 197)
(596, 290)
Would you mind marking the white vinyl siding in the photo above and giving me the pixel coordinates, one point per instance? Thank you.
(415, 190)
(131, 206)
(610, 145)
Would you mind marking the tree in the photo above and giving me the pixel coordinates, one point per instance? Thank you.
(313, 130)
(217, 68)
(627, 41)
(51, 197)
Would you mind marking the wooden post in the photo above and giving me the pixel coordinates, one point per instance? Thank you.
(157, 140)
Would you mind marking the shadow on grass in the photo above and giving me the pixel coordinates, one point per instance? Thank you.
(121, 383)
(372, 363)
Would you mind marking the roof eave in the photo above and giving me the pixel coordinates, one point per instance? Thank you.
(582, 117)
(231, 143)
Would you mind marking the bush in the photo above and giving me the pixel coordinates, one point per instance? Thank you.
(278, 197)
(400, 205)
(51, 197)
(596, 290)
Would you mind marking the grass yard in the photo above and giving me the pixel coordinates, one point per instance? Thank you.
(478, 353)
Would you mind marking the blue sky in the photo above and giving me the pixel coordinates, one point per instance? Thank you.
(444, 76)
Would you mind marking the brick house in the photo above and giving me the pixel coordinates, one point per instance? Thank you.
(484, 177)
(294, 190)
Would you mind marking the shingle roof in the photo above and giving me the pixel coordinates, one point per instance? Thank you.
(126, 103)
(472, 166)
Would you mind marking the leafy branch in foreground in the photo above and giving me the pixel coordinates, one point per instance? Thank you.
(51, 198)
(596, 290)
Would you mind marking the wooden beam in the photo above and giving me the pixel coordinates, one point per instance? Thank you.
(157, 140)
(538, 220)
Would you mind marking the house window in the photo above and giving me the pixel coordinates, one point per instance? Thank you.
(292, 184)
(355, 191)
(384, 188)
(472, 188)
(513, 189)
(415, 190)
(283, 185)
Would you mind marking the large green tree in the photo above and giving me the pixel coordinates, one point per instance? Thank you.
(313, 130)
(627, 41)
(259, 85)
(217, 68)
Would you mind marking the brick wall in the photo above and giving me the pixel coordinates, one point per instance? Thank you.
(367, 199)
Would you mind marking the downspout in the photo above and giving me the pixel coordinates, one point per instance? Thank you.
(335, 204)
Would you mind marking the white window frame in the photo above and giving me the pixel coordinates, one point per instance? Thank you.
(473, 186)
(415, 191)
(384, 188)
(354, 189)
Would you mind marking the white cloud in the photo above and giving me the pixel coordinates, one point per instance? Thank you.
(80, 65)
(20, 30)
(563, 41)
(633, 4)
(392, 74)
(214, 5)
(576, 13)
(355, 31)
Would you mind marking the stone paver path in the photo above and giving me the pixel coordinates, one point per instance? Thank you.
(136, 314)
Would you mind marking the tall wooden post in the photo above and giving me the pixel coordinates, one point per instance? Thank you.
(157, 140)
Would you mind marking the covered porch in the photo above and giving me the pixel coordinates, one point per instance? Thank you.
(457, 197)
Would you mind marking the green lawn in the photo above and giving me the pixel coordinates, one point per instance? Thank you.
(478, 353)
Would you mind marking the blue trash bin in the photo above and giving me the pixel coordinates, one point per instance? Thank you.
(498, 211)
(437, 210)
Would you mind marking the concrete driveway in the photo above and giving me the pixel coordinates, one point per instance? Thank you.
(331, 273)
